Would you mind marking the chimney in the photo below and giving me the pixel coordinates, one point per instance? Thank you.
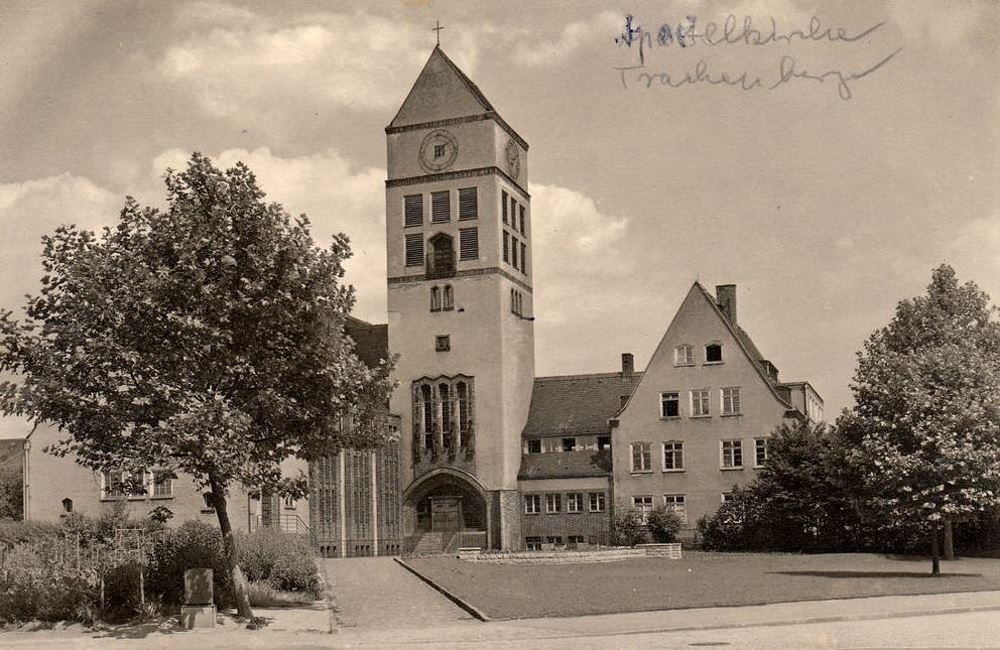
(725, 297)
(770, 370)
(628, 364)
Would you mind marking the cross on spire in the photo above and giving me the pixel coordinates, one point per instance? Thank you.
(437, 28)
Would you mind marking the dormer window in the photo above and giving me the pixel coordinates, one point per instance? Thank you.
(684, 355)
(713, 353)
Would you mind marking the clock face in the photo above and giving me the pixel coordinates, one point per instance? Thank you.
(513, 155)
(438, 151)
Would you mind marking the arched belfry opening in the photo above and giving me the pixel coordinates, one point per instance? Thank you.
(441, 258)
(447, 507)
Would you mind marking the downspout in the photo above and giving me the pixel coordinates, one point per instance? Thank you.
(26, 477)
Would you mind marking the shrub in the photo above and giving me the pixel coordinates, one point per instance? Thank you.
(17, 532)
(30, 589)
(264, 594)
(193, 544)
(736, 526)
(285, 561)
(664, 524)
(627, 528)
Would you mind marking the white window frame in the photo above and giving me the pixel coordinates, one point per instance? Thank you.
(553, 503)
(574, 502)
(152, 482)
(663, 402)
(675, 453)
(704, 398)
(684, 355)
(646, 456)
(644, 507)
(676, 503)
(731, 400)
(598, 497)
(756, 448)
(727, 496)
(532, 504)
(733, 445)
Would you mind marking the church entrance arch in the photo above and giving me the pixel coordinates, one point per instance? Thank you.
(445, 501)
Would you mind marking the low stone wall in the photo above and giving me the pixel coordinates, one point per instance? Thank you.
(672, 551)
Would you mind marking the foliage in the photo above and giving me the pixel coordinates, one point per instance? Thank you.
(11, 471)
(663, 524)
(627, 528)
(31, 589)
(284, 561)
(264, 594)
(738, 524)
(193, 544)
(20, 532)
(925, 428)
(206, 339)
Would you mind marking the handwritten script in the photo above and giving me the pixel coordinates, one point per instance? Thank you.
(785, 68)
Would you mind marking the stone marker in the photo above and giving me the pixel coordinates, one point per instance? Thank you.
(199, 608)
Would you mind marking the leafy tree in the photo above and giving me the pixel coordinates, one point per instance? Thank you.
(663, 524)
(205, 338)
(925, 428)
(738, 524)
(627, 528)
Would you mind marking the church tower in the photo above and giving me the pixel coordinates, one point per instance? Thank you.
(458, 237)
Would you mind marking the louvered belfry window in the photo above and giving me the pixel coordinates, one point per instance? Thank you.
(414, 249)
(468, 243)
(440, 206)
(413, 210)
(468, 203)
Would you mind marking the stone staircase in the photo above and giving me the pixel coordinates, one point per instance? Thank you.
(430, 543)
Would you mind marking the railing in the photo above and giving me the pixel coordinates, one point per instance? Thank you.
(289, 523)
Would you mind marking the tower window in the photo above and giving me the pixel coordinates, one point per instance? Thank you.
(513, 211)
(414, 249)
(506, 246)
(449, 298)
(440, 206)
(513, 251)
(442, 257)
(503, 204)
(439, 151)
(468, 243)
(442, 343)
(468, 203)
(435, 299)
(522, 220)
(413, 210)
(524, 258)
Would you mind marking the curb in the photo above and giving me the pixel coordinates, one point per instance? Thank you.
(468, 607)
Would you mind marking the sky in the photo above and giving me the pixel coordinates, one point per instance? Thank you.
(825, 201)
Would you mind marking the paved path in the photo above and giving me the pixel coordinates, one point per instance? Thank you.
(376, 593)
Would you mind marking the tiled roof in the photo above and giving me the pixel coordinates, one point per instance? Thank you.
(576, 404)
(371, 340)
(565, 464)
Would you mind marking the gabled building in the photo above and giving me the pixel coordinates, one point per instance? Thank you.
(699, 420)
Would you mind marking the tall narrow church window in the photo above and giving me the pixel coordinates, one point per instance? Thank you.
(442, 257)
(440, 206)
(524, 258)
(513, 211)
(503, 204)
(462, 391)
(468, 243)
(414, 249)
(513, 251)
(468, 203)
(413, 210)
(513, 301)
(449, 298)
(523, 231)
(435, 299)
(506, 246)
(444, 394)
(428, 408)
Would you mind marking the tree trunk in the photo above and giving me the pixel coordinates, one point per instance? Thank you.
(240, 591)
(935, 560)
(949, 544)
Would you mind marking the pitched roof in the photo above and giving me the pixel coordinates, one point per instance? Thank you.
(371, 340)
(565, 464)
(576, 404)
(441, 91)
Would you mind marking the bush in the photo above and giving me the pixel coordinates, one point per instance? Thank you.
(285, 561)
(664, 524)
(263, 594)
(19, 532)
(627, 528)
(193, 544)
(32, 590)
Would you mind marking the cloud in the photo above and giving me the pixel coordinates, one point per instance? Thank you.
(37, 207)
(534, 52)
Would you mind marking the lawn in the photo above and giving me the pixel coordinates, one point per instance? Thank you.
(503, 591)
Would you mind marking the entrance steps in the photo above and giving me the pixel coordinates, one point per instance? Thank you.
(430, 543)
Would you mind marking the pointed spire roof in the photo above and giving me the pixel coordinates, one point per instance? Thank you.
(442, 91)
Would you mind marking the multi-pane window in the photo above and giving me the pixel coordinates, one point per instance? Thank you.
(534, 446)
(414, 249)
(670, 405)
(574, 502)
(574, 539)
(163, 484)
(413, 210)
(513, 252)
(568, 444)
(503, 204)
(731, 402)
(673, 456)
(760, 452)
(555, 540)
(468, 243)
(732, 454)
(532, 504)
(641, 457)
(713, 353)
(699, 403)
(553, 502)
(468, 203)
(676, 503)
(597, 501)
(533, 543)
(440, 206)
(506, 246)
(684, 355)
(524, 258)
(643, 505)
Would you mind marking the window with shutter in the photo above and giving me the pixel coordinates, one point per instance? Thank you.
(413, 210)
(522, 220)
(440, 207)
(503, 203)
(468, 203)
(415, 249)
(524, 258)
(506, 246)
(468, 243)
(513, 251)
